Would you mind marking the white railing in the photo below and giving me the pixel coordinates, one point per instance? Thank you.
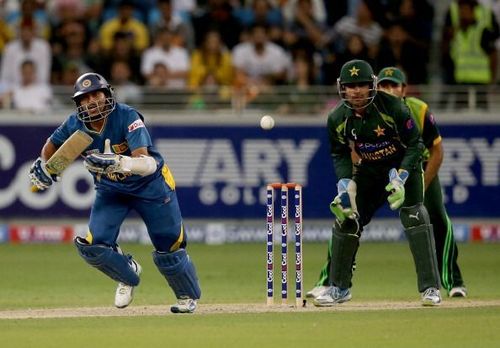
(283, 100)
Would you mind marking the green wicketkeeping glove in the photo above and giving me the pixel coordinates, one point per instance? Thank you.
(344, 204)
(396, 187)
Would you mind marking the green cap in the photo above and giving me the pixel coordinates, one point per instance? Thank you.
(392, 74)
(355, 71)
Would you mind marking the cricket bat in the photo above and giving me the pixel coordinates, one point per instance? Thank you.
(67, 153)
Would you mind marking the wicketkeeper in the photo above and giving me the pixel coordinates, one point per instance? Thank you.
(392, 80)
(378, 127)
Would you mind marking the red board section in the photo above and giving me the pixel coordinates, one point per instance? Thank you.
(485, 233)
(40, 234)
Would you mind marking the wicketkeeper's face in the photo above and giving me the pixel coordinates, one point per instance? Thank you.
(357, 93)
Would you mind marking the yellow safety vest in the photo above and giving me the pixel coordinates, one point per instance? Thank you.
(472, 64)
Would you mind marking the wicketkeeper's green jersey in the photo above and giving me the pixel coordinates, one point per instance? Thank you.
(385, 137)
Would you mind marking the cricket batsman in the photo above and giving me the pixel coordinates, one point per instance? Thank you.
(129, 174)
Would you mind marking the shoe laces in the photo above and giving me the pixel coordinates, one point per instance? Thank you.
(431, 292)
(123, 288)
(338, 292)
(184, 301)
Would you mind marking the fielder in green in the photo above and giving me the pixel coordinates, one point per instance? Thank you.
(379, 129)
(393, 81)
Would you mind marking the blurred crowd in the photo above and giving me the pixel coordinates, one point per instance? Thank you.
(243, 47)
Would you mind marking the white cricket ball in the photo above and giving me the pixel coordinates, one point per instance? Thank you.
(266, 122)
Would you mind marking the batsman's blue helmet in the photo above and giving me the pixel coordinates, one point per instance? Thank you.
(90, 82)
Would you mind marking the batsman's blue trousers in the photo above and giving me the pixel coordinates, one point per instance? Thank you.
(162, 218)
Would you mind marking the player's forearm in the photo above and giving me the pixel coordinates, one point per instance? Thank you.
(48, 150)
(433, 164)
(140, 162)
(143, 165)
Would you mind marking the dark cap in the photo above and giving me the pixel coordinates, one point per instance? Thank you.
(356, 71)
(392, 74)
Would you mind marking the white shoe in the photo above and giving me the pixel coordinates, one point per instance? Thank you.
(431, 297)
(316, 291)
(458, 291)
(332, 296)
(184, 305)
(125, 293)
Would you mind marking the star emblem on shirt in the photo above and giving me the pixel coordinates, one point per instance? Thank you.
(354, 71)
(379, 131)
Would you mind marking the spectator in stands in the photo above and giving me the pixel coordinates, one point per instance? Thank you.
(303, 32)
(362, 24)
(335, 10)
(482, 15)
(259, 11)
(260, 62)
(33, 14)
(164, 17)
(288, 8)
(397, 48)
(184, 7)
(124, 22)
(123, 49)
(60, 11)
(6, 34)
(211, 64)
(70, 72)
(27, 47)
(471, 34)
(263, 12)
(159, 77)
(217, 14)
(31, 95)
(259, 66)
(416, 17)
(64, 14)
(126, 90)
(332, 62)
(410, 21)
(140, 12)
(301, 98)
(93, 16)
(175, 59)
(70, 44)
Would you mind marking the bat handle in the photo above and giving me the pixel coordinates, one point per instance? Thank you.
(34, 189)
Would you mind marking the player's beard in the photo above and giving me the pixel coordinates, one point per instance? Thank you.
(358, 101)
(96, 108)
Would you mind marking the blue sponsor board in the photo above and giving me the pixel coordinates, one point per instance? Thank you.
(4, 233)
(222, 170)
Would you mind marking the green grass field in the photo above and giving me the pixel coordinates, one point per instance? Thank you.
(54, 276)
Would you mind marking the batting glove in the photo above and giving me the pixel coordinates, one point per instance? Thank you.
(40, 177)
(103, 163)
(396, 187)
(344, 204)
